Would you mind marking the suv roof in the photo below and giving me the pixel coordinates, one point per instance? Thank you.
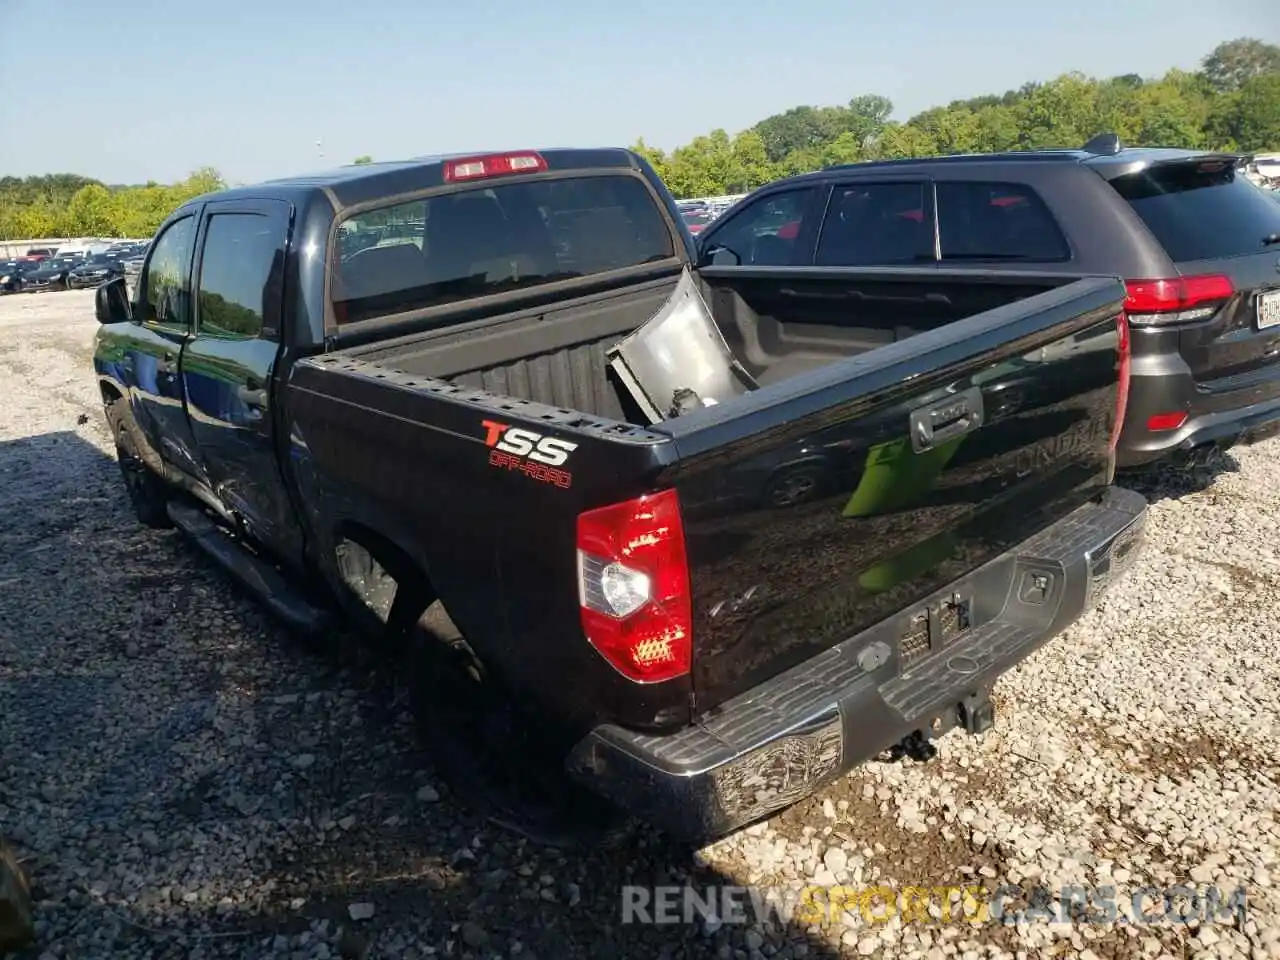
(1105, 153)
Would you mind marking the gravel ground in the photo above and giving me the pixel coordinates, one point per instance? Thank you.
(181, 779)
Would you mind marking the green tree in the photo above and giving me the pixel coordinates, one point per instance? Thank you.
(91, 212)
(796, 129)
(362, 160)
(1257, 114)
(1232, 64)
(1060, 113)
(751, 163)
(656, 157)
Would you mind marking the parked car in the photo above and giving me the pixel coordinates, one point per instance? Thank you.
(432, 425)
(40, 253)
(12, 272)
(51, 274)
(99, 268)
(697, 219)
(1197, 244)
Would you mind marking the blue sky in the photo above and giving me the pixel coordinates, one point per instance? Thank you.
(131, 90)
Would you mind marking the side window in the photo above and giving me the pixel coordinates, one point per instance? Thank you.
(875, 224)
(165, 292)
(765, 233)
(997, 221)
(239, 280)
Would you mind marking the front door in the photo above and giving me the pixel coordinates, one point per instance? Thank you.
(150, 346)
(227, 367)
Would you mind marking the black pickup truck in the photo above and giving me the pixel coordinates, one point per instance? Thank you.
(397, 385)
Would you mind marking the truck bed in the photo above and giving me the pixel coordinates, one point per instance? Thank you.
(810, 512)
(556, 355)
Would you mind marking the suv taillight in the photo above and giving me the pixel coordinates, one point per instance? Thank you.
(1124, 351)
(633, 587)
(1178, 299)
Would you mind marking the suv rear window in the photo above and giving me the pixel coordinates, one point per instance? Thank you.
(491, 240)
(1201, 214)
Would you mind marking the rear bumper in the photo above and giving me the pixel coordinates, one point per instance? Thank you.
(1237, 409)
(774, 745)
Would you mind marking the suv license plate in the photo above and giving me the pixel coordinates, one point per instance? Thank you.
(1268, 309)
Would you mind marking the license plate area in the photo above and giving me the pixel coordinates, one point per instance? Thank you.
(934, 628)
(1269, 310)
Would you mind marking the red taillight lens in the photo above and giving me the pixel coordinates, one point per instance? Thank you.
(633, 587)
(1161, 422)
(1124, 352)
(1176, 300)
(493, 165)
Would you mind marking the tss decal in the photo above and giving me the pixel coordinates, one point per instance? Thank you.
(528, 452)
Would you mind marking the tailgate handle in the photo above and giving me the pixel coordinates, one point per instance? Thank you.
(945, 420)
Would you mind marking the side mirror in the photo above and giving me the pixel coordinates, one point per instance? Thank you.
(718, 256)
(111, 302)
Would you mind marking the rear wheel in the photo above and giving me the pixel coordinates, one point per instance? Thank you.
(488, 753)
(147, 492)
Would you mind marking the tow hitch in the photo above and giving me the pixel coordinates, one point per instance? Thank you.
(977, 713)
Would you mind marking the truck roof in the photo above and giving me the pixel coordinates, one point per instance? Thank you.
(359, 183)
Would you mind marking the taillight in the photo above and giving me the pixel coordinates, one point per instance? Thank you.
(1124, 352)
(633, 587)
(1176, 300)
(1164, 422)
(493, 165)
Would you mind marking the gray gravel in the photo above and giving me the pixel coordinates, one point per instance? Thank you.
(183, 779)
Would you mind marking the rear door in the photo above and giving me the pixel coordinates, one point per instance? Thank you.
(1211, 220)
(227, 367)
(881, 221)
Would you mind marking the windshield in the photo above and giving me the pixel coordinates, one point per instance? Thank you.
(490, 240)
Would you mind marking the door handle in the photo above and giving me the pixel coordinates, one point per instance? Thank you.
(945, 420)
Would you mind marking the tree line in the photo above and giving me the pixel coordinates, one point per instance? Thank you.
(67, 205)
(1232, 102)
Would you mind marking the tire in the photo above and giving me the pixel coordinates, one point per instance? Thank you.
(792, 486)
(489, 754)
(147, 493)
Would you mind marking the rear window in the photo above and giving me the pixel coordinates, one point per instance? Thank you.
(1198, 213)
(492, 240)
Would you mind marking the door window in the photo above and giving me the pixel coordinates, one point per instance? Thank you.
(240, 270)
(870, 224)
(165, 296)
(765, 232)
(997, 221)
